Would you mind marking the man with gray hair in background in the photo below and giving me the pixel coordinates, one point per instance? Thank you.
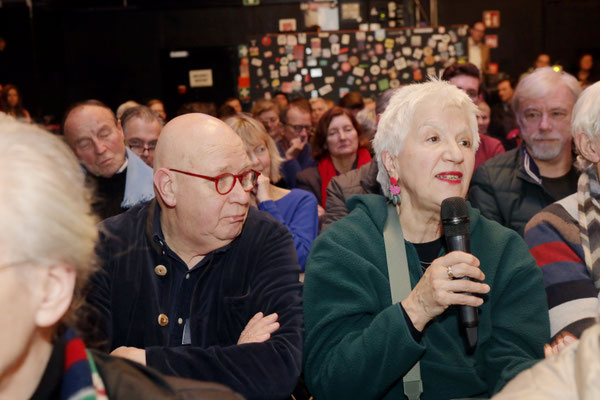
(120, 178)
(512, 187)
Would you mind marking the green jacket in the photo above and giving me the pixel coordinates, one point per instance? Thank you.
(357, 343)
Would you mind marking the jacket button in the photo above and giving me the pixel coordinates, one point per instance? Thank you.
(160, 270)
(163, 320)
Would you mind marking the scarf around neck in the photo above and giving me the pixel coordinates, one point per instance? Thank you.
(328, 171)
(81, 380)
(588, 205)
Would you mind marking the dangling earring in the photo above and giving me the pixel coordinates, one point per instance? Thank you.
(394, 191)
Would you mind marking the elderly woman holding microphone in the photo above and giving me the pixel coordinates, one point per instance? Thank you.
(362, 338)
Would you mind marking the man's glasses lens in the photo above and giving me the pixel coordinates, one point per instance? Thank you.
(249, 180)
(226, 182)
(141, 146)
(299, 128)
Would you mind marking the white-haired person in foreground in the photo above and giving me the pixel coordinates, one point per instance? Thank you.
(565, 239)
(47, 238)
(359, 343)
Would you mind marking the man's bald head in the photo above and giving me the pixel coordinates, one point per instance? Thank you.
(185, 141)
(196, 218)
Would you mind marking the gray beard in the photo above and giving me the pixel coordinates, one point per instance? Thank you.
(544, 153)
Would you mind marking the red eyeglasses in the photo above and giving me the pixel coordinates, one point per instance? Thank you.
(224, 183)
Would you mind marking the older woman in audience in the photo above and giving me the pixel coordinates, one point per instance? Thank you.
(564, 238)
(47, 237)
(296, 209)
(336, 147)
(267, 112)
(359, 344)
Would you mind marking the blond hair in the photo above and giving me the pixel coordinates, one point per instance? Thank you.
(253, 133)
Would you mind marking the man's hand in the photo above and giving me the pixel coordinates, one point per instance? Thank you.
(296, 146)
(131, 353)
(259, 328)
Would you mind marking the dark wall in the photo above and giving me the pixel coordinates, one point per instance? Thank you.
(561, 28)
(70, 51)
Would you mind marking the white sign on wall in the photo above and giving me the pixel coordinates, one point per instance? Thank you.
(201, 78)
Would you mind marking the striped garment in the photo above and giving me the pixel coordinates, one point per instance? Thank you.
(81, 380)
(553, 237)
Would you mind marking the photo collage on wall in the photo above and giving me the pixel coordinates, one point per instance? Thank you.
(330, 64)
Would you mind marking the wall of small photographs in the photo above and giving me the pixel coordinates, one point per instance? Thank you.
(330, 64)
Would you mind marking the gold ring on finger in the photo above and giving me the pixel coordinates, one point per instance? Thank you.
(449, 272)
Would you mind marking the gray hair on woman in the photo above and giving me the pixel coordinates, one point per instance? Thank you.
(397, 122)
(586, 113)
(540, 82)
(46, 217)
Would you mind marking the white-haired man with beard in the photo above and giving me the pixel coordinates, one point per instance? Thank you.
(512, 187)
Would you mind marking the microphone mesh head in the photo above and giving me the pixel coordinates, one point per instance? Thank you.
(455, 216)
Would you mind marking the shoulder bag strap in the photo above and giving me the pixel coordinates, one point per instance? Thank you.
(397, 264)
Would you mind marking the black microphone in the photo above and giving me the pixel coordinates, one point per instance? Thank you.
(455, 222)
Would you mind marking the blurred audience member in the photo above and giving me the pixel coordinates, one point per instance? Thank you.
(503, 123)
(198, 107)
(337, 149)
(488, 146)
(352, 101)
(542, 61)
(267, 112)
(157, 108)
(197, 283)
(48, 235)
(126, 106)
(479, 53)
(141, 128)
(296, 209)
(330, 103)
(120, 177)
(369, 103)
(367, 119)
(234, 102)
(294, 145)
(317, 109)
(226, 111)
(11, 103)
(514, 186)
(382, 102)
(585, 72)
(466, 77)
(565, 236)
(281, 99)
